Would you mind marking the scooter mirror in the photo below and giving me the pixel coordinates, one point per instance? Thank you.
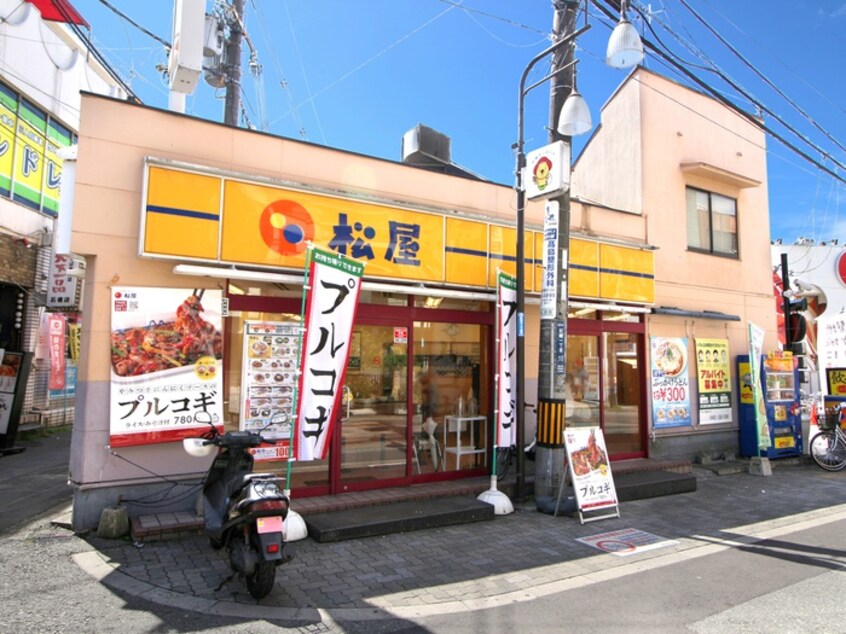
(196, 447)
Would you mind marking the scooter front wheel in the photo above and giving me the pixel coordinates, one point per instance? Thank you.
(261, 582)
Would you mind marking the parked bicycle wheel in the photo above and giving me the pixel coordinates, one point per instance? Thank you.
(828, 450)
(503, 461)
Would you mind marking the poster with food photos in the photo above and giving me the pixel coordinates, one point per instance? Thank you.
(166, 364)
(670, 382)
(268, 383)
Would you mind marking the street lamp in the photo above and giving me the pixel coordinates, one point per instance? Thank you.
(573, 120)
(625, 48)
(521, 257)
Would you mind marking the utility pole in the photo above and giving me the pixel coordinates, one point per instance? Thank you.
(232, 105)
(552, 355)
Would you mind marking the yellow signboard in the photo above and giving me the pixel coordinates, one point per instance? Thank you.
(209, 217)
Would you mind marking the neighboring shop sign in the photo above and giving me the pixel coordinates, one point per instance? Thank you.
(268, 383)
(506, 385)
(670, 382)
(10, 369)
(836, 381)
(64, 282)
(211, 218)
(69, 388)
(713, 372)
(30, 168)
(548, 298)
(590, 470)
(334, 285)
(14, 371)
(831, 337)
(166, 363)
(58, 345)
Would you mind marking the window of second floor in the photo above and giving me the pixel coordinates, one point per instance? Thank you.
(711, 223)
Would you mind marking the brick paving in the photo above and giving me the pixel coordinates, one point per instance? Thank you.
(474, 561)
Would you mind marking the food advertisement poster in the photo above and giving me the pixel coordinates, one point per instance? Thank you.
(166, 364)
(590, 469)
(269, 383)
(713, 374)
(670, 382)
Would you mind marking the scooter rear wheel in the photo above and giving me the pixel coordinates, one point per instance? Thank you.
(261, 582)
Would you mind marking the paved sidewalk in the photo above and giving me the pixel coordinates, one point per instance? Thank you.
(513, 558)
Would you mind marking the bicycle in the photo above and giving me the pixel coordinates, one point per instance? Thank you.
(828, 447)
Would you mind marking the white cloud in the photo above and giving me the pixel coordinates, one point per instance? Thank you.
(839, 12)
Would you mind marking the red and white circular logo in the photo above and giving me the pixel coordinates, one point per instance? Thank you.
(840, 267)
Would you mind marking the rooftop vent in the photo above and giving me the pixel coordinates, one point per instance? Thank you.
(424, 146)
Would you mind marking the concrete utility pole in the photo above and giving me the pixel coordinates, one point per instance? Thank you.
(232, 105)
(552, 356)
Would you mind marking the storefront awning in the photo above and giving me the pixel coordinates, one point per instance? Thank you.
(293, 278)
(698, 314)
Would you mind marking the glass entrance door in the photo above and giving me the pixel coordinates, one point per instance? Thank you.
(374, 417)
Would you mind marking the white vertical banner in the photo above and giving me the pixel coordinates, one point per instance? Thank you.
(506, 400)
(332, 299)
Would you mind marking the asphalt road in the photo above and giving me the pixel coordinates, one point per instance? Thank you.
(34, 482)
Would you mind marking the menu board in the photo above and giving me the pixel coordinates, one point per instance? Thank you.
(10, 366)
(269, 379)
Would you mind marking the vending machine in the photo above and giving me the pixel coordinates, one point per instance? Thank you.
(779, 376)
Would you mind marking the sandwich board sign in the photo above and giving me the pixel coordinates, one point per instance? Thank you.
(590, 472)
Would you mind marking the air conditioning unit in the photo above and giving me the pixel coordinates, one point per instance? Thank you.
(422, 144)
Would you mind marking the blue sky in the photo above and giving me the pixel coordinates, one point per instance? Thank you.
(357, 74)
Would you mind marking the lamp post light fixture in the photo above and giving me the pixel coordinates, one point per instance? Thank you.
(625, 49)
(574, 119)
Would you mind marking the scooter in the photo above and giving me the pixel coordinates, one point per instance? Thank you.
(243, 511)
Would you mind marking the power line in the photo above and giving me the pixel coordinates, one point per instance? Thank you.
(670, 58)
(90, 48)
(742, 91)
(494, 17)
(117, 12)
(372, 58)
(762, 76)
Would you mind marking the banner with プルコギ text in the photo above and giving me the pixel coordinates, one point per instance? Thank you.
(506, 409)
(332, 299)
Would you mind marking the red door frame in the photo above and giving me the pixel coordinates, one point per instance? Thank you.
(380, 315)
(598, 327)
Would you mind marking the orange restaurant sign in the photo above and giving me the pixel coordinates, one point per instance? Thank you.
(197, 215)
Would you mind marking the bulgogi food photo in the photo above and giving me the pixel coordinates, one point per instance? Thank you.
(166, 345)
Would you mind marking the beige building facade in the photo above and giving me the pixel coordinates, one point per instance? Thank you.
(669, 240)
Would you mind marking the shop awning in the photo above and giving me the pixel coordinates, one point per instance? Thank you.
(696, 314)
(59, 11)
(293, 278)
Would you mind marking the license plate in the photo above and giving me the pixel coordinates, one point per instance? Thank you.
(269, 524)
